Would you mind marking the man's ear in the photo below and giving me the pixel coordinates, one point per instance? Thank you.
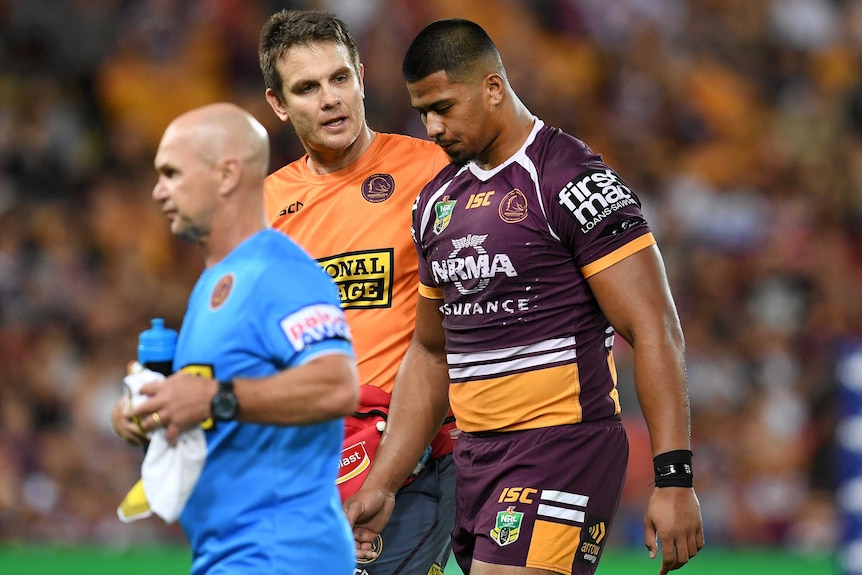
(276, 105)
(229, 175)
(495, 89)
(362, 79)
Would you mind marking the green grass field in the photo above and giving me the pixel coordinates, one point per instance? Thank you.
(175, 561)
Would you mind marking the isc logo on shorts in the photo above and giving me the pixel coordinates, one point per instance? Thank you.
(313, 324)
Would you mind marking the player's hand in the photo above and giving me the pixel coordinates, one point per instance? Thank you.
(368, 511)
(179, 402)
(673, 517)
(125, 426)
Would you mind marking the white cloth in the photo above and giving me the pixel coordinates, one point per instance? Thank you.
(168, 473)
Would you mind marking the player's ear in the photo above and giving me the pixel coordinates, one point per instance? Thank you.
(495, 88)
(276, 104)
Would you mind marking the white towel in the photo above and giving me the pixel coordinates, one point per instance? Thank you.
(168, 473)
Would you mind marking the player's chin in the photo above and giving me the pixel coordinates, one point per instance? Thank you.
(458, 159)
(458, 155)
(338, 141)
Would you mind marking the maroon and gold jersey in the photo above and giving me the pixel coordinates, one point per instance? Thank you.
(509, 252)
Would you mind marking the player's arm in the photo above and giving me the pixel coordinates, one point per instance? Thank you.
(420, 402)
(322, 389)
(635, 296)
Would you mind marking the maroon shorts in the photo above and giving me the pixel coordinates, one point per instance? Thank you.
(541, 498)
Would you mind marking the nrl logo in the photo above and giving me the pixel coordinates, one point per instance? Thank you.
(508, 526)
(443, 213)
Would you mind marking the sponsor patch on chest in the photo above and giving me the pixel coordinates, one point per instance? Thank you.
(364, 279)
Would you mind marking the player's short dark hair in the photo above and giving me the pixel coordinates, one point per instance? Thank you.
(458, 47)
(289, 28)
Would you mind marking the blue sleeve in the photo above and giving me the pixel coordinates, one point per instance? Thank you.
(303, 318)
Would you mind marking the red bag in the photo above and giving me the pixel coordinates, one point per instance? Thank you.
(362, 433)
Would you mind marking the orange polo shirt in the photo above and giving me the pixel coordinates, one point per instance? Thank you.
(356, 224)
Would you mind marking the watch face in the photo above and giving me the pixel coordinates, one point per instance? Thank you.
(224, 405)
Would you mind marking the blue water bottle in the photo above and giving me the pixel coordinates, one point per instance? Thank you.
(156, 347)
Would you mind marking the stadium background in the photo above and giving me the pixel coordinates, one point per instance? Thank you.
(738, 122)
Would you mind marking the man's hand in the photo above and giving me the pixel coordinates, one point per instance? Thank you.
(368, 512)
(673, 516)
(177, 403)
(125, 426)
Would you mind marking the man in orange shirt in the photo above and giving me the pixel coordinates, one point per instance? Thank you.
(348, 203)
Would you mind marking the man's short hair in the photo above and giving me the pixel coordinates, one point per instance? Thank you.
(290, 28)
(460, 48)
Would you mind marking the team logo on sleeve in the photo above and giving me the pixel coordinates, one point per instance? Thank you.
(221, 291)
(443, 213)
(594, 195)
(513, 207)
(508, 526)
(313, 324)
(378, 188)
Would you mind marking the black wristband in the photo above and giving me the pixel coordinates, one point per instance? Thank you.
(673, 469)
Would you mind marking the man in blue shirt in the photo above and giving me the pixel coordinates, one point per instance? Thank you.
(264, 363)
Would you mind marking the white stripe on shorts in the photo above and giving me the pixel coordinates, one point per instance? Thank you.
(565, 497)
(572, 515)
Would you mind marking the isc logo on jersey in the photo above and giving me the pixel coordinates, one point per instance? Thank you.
(594, 195)
(313, 324)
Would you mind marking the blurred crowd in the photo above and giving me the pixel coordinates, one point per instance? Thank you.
(738, 122)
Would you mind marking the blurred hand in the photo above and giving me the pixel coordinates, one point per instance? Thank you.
(673, 517)
(179, 402)
(125, 426)
(368, 511)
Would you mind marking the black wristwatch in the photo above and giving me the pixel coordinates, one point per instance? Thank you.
(224, 405)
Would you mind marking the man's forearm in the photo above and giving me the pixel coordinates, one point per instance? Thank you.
(663, 395)
(323, 389)
(420, 402)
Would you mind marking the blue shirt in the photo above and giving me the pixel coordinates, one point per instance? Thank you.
(266, 500)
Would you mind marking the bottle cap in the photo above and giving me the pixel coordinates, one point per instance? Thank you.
(156, 344)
